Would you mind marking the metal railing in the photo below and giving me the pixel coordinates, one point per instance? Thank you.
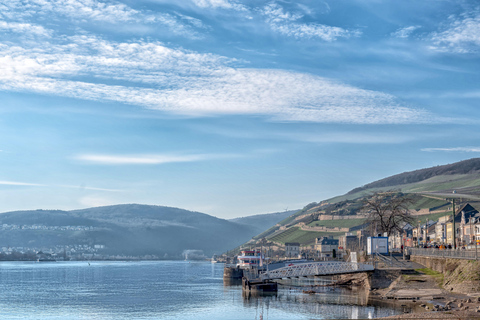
(316, 269)
(445, 253)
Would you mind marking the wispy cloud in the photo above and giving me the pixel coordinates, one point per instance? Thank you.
(456, 149)
(83, 187)
(222, 4)
(79, 9)
(350, 138)
(88, 11)
(148, 159)
(461, 35)
(286, 23)
(179, 81)
(24, 28)
(16, 183)
(29, 184)
(189, 83)
(405, 32)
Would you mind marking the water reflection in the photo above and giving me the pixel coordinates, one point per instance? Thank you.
(323, 301)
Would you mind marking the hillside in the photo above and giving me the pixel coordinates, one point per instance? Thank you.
(430, 189)
(466, 167)
(129, 229)
(260, 222)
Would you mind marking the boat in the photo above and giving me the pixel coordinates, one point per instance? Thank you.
(249, 259)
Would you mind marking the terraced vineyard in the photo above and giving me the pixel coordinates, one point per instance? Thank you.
(342, 223)
(296, 234)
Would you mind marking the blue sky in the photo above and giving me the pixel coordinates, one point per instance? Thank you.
(229, 107)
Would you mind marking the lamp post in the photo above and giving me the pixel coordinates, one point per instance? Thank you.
(453, 223)
(426, 232)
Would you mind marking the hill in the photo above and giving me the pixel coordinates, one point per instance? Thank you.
(260, 222)
(129, 229)
(431, 190)
(466, 167)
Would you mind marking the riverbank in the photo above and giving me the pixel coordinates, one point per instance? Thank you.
(452, 294)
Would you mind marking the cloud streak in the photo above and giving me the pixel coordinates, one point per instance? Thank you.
(405, 32)
(220, 4)
(456, 149)
(189, 83)
(286, 23)
(152, 75)
(16, 183)
(92, 11)
(153, 159)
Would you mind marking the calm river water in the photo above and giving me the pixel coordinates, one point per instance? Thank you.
(158, 290)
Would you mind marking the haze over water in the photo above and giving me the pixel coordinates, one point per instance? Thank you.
(155, 290)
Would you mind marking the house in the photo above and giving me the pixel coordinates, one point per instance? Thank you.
(348, 242)
(326, 247)
(441, 229)
(292, 250)
(462, 215)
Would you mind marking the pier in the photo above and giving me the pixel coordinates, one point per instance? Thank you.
(264, 281)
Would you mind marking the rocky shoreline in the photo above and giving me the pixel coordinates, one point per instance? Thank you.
(454, 294)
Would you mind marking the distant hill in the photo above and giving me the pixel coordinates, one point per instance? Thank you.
(261, 222)
(129, 229)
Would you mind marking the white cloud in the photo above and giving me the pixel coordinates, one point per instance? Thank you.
(83, 187)
(462, 34)
(189, 83)
(15, 183)
(82, 11)
(349, 138)
(286, 23)
(147, 159)
(79, 9)
(222, 4)
(456, 149)
(24, 28)
(405, 32)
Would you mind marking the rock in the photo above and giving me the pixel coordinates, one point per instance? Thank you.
(478, 299)
(460, 304)
(468, 300)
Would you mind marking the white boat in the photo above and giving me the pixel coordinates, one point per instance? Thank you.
(250, 259)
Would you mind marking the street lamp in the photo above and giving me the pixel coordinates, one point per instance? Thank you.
(453, 223)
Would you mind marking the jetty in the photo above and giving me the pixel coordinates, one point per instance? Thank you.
(264, 280)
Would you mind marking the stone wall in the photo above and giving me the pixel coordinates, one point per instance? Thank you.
(459, 275)
(437, 264)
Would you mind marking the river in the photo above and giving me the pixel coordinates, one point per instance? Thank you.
(160, 290)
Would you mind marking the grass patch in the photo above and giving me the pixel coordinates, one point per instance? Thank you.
(429, 272)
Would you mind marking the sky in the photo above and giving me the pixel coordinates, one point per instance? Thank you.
(230, 107)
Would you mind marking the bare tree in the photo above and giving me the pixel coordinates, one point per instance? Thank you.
(388, 211)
